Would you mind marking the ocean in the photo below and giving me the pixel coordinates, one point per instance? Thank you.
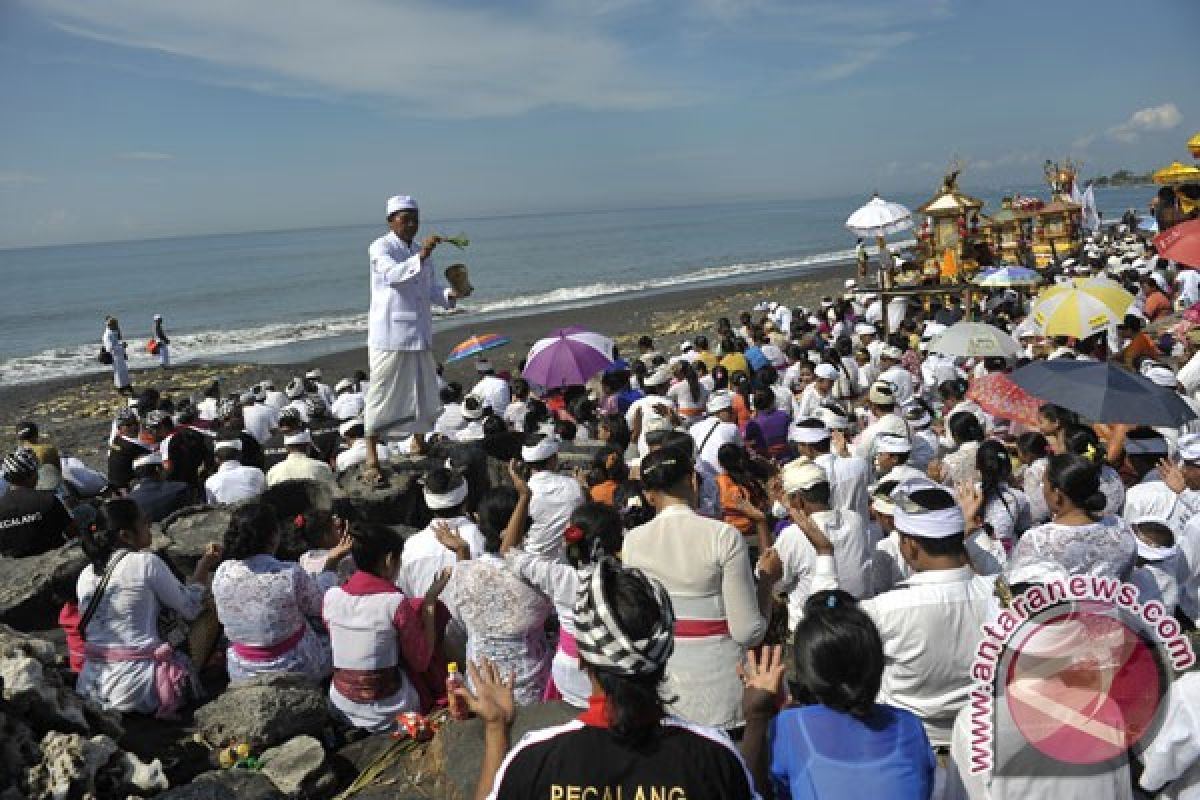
(277, 296)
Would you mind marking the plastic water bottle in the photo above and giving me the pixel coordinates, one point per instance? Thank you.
(456, 704)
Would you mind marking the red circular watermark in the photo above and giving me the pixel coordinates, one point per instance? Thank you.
(1083, 686)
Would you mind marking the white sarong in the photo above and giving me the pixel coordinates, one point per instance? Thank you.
(403, 396)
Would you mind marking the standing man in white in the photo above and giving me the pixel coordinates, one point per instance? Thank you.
(403, 394)
(115, 347)
(164, 344)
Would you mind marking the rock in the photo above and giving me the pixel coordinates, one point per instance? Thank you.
(227, 784)
(266, 711)
(74, 766)
(19, 749)
(190, 530)
(27, 586)
(299, 767)
(399, 502)
(40, 696)
(13, 641)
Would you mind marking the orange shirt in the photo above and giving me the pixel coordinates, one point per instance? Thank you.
(730, 493)
(1139, 345)
(1157, 304)
(604, 493)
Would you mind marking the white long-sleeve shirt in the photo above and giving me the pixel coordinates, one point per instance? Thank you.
(402, 288)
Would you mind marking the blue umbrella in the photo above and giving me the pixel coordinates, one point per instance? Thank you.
(1148, 224)
(1102, 392)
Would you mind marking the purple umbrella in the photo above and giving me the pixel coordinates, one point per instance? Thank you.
(568, 357)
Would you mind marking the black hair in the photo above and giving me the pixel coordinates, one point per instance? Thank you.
(1032, 443)
(701, 342)
(493, 513)
(1083, 441)
(608, 464)
(1156, 533)
(603, 533)
(618, 430)
(743, 471)
(995, 469)
(965, 427)
(519, 388)
(1078, 479)
(955, 387)
(838, 654)
(494, 425)
(102, 538)
(632, 505)
(565, 429)
(693, 381)
(633, 704)
(764, 399)
(372, 543)
(1057, 414)
(253, 529)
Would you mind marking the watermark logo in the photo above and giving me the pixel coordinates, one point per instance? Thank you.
(1077, 669)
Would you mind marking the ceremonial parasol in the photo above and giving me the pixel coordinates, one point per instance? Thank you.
(1008, 276)
(996, 394)
(1176, 172)
(974, 340)
(476, 345)
(1180, 243)
(1103, 392)
(879, 218)
(1080, 308)
(568, 357)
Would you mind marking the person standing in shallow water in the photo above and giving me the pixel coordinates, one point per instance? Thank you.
(160, 338)
(115, 347)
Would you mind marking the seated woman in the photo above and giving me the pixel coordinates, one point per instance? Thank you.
(625, 742)
(503, 615)
(385, 658)
(263, 602)
(607, 473)
(127, 667)
(595, 531)
(837, 741)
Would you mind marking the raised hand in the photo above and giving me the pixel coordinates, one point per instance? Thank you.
(492, 701)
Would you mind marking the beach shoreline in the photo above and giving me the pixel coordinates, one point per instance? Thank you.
(75, 412)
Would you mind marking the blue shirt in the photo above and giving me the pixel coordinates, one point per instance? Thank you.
(821, 754)
(755, 358)
(626, 398)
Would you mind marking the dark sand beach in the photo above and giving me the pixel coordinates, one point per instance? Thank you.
(75, 412)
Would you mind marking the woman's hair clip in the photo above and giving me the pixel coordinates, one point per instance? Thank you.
(298, 521)
(1090, 453)
(831, 601)
(573, 534)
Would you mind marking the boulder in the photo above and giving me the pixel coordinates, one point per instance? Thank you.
(190, 530)
(226, 784)
(75, 766)
(299, 767)
(265, 711)
(27, 586)
(400, 501)
(19, 749)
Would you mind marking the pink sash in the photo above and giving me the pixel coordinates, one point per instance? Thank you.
(252, 652)
(171, 675)
(568, 647)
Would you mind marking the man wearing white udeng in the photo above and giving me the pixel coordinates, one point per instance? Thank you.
(403, 394)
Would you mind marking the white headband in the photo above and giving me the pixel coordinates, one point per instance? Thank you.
(804, 434)
(229, 444)
(1150, 552)
(452, 498)
(940, 524)
(302, 437)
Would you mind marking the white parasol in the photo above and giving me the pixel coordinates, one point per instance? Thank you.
(879, 218)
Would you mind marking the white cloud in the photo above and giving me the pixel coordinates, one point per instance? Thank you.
(144, 155)
(1083, 142)
(420, 57)
(1155, 118)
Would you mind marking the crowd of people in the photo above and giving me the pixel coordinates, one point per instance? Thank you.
(772, 579)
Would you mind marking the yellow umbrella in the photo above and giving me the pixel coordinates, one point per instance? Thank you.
(1079, 310)
(1176, 173)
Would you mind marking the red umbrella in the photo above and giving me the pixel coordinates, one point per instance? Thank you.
(1000, 397)
(1180, 243)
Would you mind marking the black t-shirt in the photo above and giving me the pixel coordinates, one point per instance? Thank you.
(189, 456)
(160, 499)
(580, 760)
(121, 455)
(326, 439)
(32, 521)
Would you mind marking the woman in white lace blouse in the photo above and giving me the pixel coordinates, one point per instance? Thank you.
(264, 603)
(1077, 540)
(127, 666)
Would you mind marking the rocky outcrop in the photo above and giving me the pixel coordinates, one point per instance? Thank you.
(226, 784)
(299, 768)
(264, 711)
(397, 503)
(73, 766)
(189, 531)
(27, 586)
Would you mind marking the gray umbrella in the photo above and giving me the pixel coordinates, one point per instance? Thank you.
(1103, 392)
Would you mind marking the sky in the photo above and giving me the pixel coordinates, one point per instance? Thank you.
(129, 119)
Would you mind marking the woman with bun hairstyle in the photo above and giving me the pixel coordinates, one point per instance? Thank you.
(595, 532)
(704, 565)
(820, 744)
(127, 666)
(1083, 441)
(1079, 539)
(264, 603)
(385, 645)
(607, 473)
(1034, 449)
(1053, 422)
